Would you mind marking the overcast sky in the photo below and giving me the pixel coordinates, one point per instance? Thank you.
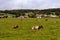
(29, 4)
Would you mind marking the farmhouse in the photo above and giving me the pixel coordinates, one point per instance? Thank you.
(53, 16)
(21, 17)
(38, 15)
(26, 15)
(45, 15)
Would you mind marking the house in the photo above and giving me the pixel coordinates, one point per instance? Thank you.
(21, 17)
(53, 16)
(45, 15)
(38, 15)
(26, 15)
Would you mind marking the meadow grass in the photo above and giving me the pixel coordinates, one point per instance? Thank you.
(50, 31)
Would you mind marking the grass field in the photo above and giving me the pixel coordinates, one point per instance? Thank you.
(50, 31)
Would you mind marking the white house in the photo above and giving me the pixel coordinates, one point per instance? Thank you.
(21, 17)
(38, 16)
(53, 16)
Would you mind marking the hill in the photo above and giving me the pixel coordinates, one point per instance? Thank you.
(23, 11)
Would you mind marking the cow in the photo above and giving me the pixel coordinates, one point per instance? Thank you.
(37, 27)
(15, 27)
(5, 16)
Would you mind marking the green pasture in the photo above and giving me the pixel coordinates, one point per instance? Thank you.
(50, 31)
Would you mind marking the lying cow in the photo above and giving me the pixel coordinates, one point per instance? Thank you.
(37, 27)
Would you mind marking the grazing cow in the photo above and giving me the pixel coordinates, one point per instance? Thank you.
(5, 16)
(15, 27)
(1, 16)
(37, 27)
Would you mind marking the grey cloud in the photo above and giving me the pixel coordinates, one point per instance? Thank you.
(29, 4)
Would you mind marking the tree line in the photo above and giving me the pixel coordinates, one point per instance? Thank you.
(18, 12)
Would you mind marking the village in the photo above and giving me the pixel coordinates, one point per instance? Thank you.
(28, 15)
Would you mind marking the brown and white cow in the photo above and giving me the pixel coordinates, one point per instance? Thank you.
(15, 27)
(37, 27)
